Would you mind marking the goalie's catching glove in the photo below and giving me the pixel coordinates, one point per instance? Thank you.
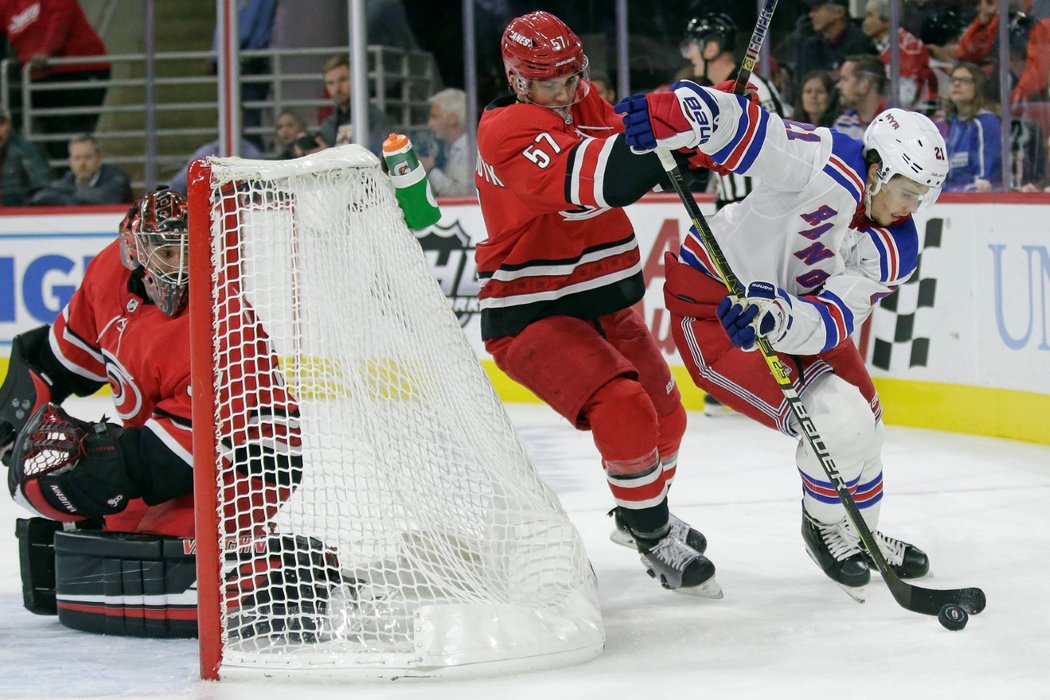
(765, 311)
(67, 469)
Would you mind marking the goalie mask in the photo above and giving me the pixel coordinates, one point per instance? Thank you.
(154, 237)
(909, 145)
(544, 61)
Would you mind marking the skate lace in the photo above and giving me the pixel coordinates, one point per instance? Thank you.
(673, 552)
(679, 528)
(892, 549)
(840, 540)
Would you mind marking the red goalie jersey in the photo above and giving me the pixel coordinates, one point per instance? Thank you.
(110, 333)
(550, 193)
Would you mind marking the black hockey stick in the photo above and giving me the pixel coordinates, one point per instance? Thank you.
(915, 598)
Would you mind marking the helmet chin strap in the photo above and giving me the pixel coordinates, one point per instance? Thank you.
(871, 189)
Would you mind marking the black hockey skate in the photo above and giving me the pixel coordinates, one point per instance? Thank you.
(836, 550)
(906, 560)
(679, 567)
(622, 535)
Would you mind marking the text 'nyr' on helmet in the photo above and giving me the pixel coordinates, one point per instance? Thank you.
(540, 47)
(909, 145)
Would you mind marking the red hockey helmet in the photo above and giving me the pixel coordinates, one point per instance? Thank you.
(160, 237)
(128, 246)
(541, 54)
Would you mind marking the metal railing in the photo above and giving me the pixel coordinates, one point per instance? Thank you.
(400, 83)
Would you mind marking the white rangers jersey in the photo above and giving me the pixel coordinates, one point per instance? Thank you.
(733, 187)
(804, 229)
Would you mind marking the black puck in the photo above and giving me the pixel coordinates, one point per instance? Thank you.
(952, 617)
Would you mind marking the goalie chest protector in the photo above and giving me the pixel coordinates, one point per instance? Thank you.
(129, 584)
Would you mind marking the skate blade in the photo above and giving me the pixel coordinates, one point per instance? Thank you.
(854, 592)
(622, 539)
(708, 589)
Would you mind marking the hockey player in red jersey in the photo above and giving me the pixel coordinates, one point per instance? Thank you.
(560, 272)
(826, 235)
(126, 326)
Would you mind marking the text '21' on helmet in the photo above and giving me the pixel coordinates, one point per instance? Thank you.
(541, 52)
(154, 236)
(909, 145)
(716, 26)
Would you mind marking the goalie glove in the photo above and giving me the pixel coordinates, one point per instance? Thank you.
(765, 311)
(67, 469)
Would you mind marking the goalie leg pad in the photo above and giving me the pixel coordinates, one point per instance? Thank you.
(36, 559)
(128, 584)
(279, 586)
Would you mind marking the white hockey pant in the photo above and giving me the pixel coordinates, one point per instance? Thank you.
(853, 439)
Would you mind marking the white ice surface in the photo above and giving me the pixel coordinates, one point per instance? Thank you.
(978, 506)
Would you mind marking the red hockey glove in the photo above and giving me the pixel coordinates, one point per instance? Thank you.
(655, 119)
(698, 159)
(750, 92)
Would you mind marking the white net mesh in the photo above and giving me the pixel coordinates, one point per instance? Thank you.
(418, 535)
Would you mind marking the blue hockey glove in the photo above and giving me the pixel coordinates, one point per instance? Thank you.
(762, 312)
(653, 120)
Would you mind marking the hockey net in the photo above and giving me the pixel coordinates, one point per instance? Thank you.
(364, 506)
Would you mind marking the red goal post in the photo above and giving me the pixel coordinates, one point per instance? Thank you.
(364, 507)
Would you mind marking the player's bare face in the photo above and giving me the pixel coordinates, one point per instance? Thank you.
(898, 198)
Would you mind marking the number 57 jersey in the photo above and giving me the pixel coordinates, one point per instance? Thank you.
(555, 245)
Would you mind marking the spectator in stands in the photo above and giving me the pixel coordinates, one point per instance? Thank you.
(255, 30)
(337, 129)
(42, 30)
(1030, 43)
(971, 133)
(448, 118)
(23, 169)
(915, 76)
(941, 34)
(834, 38)
(89, 180)
(862, 92)
(818, 99)
(979, 40)
(288, 128)
(179, 182)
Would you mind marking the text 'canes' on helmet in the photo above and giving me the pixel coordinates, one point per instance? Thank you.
(539, 50)
(910, 145)
(161, 242)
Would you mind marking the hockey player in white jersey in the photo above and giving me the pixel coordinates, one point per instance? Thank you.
(826, 235)
(710, 43)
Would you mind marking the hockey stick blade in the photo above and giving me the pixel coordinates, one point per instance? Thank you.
(929, 601)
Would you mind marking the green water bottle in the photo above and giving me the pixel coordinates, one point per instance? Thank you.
(410, 183)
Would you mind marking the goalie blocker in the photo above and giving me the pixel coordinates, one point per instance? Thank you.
(142, 585)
